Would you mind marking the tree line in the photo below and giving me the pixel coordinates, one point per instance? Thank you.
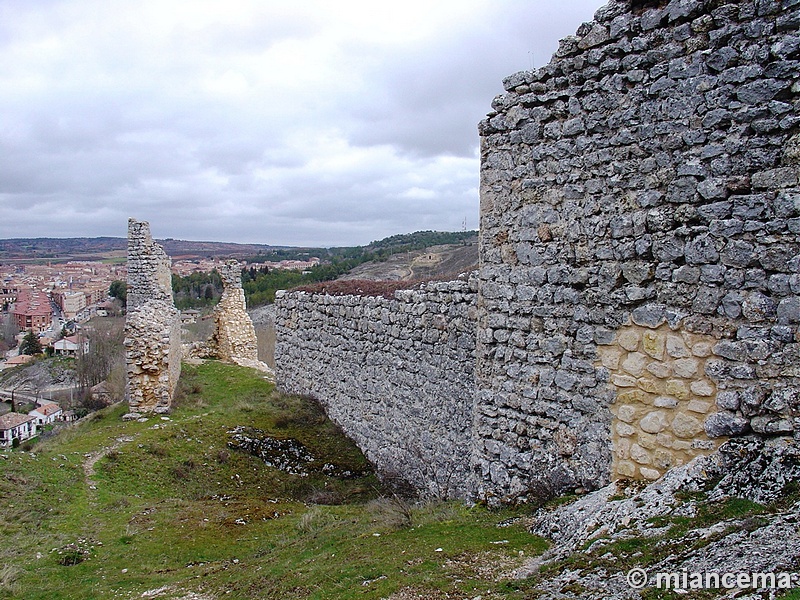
(201, 290)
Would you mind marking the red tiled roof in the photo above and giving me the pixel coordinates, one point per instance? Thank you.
(47, 409)
(11, 420)
(19, 360)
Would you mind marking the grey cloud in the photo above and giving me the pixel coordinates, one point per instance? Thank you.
(204, 132)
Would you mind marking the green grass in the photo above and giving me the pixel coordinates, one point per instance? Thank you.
(173, 506)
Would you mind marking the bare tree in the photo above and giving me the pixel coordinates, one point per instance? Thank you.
(9, 330)
(100, 351)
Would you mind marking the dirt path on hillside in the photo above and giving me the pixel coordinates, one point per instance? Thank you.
(90, 460)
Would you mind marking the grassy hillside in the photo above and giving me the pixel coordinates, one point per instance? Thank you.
(168, 509)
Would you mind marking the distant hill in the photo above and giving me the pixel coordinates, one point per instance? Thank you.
(64, 249)
(432, 262)
(98, 248)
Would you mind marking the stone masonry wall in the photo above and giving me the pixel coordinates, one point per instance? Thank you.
(152, 325)
(395, 373)
(640, 226)
(149, 267)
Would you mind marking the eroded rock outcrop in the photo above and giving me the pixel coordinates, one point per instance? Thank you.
(687, 522)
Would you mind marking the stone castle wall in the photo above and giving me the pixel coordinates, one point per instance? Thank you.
(640, 227)
(149, 267)
(152, 325)
(639, 288)
(395, 373)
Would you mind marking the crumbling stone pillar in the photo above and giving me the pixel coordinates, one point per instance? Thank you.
(234, 338)
(152, 327)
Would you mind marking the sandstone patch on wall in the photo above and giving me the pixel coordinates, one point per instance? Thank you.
(397, 374)
(152, 325)
(663, 398)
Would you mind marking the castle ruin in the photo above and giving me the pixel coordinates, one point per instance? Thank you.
(152, 326)
(638, 297)
(234, 339)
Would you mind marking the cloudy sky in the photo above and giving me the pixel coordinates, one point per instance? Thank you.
(310, 122)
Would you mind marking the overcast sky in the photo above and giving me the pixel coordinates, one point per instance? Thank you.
(290, 123)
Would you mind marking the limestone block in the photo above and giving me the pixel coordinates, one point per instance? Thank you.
(647, 440)
(702, 388)
(624, 381)
(634, 397)
(686, 427)
(610, 357)
(702, 349)
(649, 473)
(659, 369)
(686, 367)
(664, 459)
(676, 347)
(654, 422)
(640, 455)
(654, 343)
(677, 389)
(635, 363)
(626, 413)
(699, 406)
(629, 340)
(626, 468)
(623, 449)
(648, 385)
(624, 430)
(665, 402)
(665, 439)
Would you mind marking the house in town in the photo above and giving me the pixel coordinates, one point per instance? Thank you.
(16, 361)
(47, 413)
(32, 311)
(70, 345)
(189, 316)
(16, 426)
(101, 393)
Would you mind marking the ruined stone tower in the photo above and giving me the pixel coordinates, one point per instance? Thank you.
(234, 338)
(152, 327)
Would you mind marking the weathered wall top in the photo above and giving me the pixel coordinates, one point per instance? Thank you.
(149, 267)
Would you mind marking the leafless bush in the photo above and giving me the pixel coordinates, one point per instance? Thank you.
(391, 512)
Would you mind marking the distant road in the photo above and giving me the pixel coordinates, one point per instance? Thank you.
(19, 395)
